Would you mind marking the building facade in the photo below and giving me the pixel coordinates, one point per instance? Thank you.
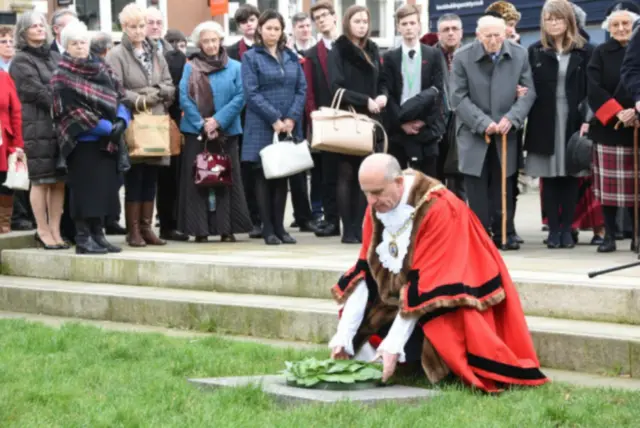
(184, 15)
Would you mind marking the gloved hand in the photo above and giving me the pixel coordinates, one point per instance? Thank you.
(118, 128)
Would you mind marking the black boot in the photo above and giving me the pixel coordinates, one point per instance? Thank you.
(85, 243)
(98, 236)
(609, 244)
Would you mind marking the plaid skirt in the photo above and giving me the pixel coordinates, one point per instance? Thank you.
(613, 175)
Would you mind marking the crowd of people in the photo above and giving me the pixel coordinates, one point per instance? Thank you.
(445, 107)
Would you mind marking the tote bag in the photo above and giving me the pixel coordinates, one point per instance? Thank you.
(148, 135)
(285, 158)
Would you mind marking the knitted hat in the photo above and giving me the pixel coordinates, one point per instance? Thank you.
(506, 10)
(623, 5)
(175, 36)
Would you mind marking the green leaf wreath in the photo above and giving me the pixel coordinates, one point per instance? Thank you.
(309, 372)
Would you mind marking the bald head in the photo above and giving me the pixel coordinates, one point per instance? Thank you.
(381, 180)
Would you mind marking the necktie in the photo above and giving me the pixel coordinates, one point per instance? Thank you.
(412, 53)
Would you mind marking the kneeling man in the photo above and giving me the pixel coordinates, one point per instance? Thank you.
(430, 286)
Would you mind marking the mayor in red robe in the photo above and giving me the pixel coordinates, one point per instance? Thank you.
(453, 281)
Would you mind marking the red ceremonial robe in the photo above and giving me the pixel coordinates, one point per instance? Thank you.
(455, 281)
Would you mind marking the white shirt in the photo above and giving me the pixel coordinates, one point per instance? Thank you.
(60, 47)
(247, 42)
(328, 43)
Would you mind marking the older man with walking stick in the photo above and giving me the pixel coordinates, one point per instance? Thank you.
(484, 84)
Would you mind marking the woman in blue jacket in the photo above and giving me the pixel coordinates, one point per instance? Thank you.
(275, 89)
(211, 98)
(90, 123)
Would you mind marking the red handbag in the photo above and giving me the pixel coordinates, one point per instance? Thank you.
(212, 169)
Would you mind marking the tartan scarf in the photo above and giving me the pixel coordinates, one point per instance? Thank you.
(85, 90)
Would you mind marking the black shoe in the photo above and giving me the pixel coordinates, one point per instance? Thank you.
(620, 236)
(510, 245)
(633, 247)
(114, 228)
(85, 244)
(567, 240)
(41, 243)
(174, 235)
(285, 238)
(350, 239)
(98, 236)
(553, 240)
(294, 224)
(256, 232)
(597, 240)
(310, 226)
(608, 246)
(575, 233)
(329, 230)
(22, 225)
(272, 240)
(517, 238)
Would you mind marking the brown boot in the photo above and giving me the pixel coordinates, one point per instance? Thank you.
(146, 219)
(6, 209)
(132, 215)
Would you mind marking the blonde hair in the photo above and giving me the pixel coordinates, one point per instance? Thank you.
(132, 13)
(561, 9)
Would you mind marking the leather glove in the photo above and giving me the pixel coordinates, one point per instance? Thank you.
(118, 128)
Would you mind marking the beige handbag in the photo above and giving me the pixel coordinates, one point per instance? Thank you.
(148, 134)
(344, 132)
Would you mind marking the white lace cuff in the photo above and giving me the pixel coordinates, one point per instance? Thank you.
(398, 336)
(352, 315)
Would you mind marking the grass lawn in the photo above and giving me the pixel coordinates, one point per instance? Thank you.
(80, 376)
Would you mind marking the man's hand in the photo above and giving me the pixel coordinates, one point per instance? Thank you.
(492, 128)
(521, 91)
(504, 126)
(584, 129)
(373, 106)
(289, 124)
(389, 363)
(381, 100)
(627, 116)
(338, 353)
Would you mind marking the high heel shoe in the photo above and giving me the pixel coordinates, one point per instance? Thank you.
(40, 242)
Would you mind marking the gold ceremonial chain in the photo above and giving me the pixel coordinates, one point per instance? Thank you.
(393, 245)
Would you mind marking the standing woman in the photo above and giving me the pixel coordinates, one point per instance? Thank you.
(31, 70)
(211, 98)
(275, 90)
(559, 64)
(612, 103)
(91, 121)
(146, 79)
(354, 65)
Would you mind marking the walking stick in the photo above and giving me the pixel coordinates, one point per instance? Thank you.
(503, 185)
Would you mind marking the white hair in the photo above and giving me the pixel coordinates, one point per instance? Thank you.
(605, 24)
(74, 31)
(489, 21)
(207, 26)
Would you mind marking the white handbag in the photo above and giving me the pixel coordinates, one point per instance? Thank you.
(17, 173)
(285, 158)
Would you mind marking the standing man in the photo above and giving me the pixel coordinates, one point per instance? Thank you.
(447, 40)
(323, 15)
(412, 76)
(60, 19)
(7, 50)
(246, 18)
(486, 75)
(167, 175)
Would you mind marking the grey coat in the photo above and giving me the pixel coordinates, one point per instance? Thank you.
(137, 85)
(481, 93)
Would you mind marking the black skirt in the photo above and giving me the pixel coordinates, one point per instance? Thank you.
(231, 213)
(93, 181)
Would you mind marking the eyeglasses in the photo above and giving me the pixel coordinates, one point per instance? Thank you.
(6, 41)
(321, 16)
(450, 29)
(152, 22)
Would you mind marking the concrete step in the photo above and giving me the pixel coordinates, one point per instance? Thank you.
(593, 347)
(548, 294)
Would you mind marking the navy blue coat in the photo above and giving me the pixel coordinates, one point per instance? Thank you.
(273, 91)
(630, 70)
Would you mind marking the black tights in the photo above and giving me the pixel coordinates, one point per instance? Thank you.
(351, 201)
(560, 197)
(272, 201)
(610, 217)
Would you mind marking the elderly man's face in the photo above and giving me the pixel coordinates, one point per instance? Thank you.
(450, 34)
(491, 37)
(302, 31)
(382, 195)
(63, 21)
(154, 25)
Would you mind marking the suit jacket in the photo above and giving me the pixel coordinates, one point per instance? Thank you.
(483, 92)
(54, 47)
(425, 106)
(317, 74)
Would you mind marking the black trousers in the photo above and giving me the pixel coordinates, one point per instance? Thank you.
(330, 187)
(114, 216)
(485, 195)
(427, 165)
(559, 200)
(21, 207)
(316, 186)
(140, 183)
(249, 183)
(167, 197)
(67, 225)
(299, 188)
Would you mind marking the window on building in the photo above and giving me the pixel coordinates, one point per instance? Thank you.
(378, 9)
(233, 6)
(89, 13)
(267, 4)
(116, 8)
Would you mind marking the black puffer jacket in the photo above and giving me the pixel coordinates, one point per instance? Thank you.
(31, 70)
